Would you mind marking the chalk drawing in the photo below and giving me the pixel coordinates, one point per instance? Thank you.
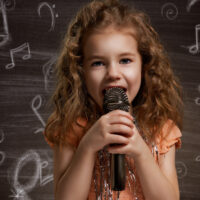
(2, 154)
(39, 130)
(2, 157)
(51, 9)
(169, 10)
(10, 4)
(197, 159)
(197, 99)
(194, 49)
(22, 47)
(19, 195)
(2, 137)
(48, 70)
(181, 169)
(191, 3)
(46, 179)
(4, 35)
(35, 105)
(20, 191)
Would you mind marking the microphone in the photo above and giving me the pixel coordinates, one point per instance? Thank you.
(116, 99)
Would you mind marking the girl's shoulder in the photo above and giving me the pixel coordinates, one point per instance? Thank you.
(71, 137)
(170, 135)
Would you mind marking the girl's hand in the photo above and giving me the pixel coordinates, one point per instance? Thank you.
(116, 127)
(134, 148)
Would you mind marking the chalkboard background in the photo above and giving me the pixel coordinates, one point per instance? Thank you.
(30, 36)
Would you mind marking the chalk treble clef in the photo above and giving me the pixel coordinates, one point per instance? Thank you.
(20, 189)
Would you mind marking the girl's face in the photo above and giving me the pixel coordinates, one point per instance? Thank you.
(111, 59)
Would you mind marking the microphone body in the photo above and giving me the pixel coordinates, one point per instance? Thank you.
(116, 99)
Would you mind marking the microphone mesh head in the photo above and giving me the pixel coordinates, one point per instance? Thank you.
(115, 99)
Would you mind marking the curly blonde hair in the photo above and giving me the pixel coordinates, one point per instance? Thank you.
(159, 98)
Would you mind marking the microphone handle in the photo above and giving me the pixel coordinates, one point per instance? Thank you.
(118, 172)
(115, 98)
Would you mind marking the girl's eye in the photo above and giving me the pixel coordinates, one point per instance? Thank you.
(97, 63)
(125, 61)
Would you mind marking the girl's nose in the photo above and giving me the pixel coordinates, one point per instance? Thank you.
(113, 72)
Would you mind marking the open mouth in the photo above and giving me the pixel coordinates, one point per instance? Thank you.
(104, 90)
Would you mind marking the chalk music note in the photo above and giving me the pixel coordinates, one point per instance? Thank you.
(42, 4)
(46, 179)
(35, 107)
(195, 48)
(4, 33)
(14, 51)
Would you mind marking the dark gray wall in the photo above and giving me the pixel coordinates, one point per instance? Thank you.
(30, 36)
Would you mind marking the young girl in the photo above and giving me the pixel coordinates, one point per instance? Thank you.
(110, 45)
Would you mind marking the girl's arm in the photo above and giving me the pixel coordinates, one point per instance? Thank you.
(158, 182)
(72, 172)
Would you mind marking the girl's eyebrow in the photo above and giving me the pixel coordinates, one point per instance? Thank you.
(94, 57)
(127, 54)
(101, 57)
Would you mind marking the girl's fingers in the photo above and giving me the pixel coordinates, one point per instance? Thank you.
(121, 129)
(118, 139)
(121, 120)
(119, 113)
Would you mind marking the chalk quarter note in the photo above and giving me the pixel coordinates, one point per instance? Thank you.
(24, 47)
(194, 49)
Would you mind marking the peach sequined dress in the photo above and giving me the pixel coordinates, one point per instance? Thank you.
(100, 185)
